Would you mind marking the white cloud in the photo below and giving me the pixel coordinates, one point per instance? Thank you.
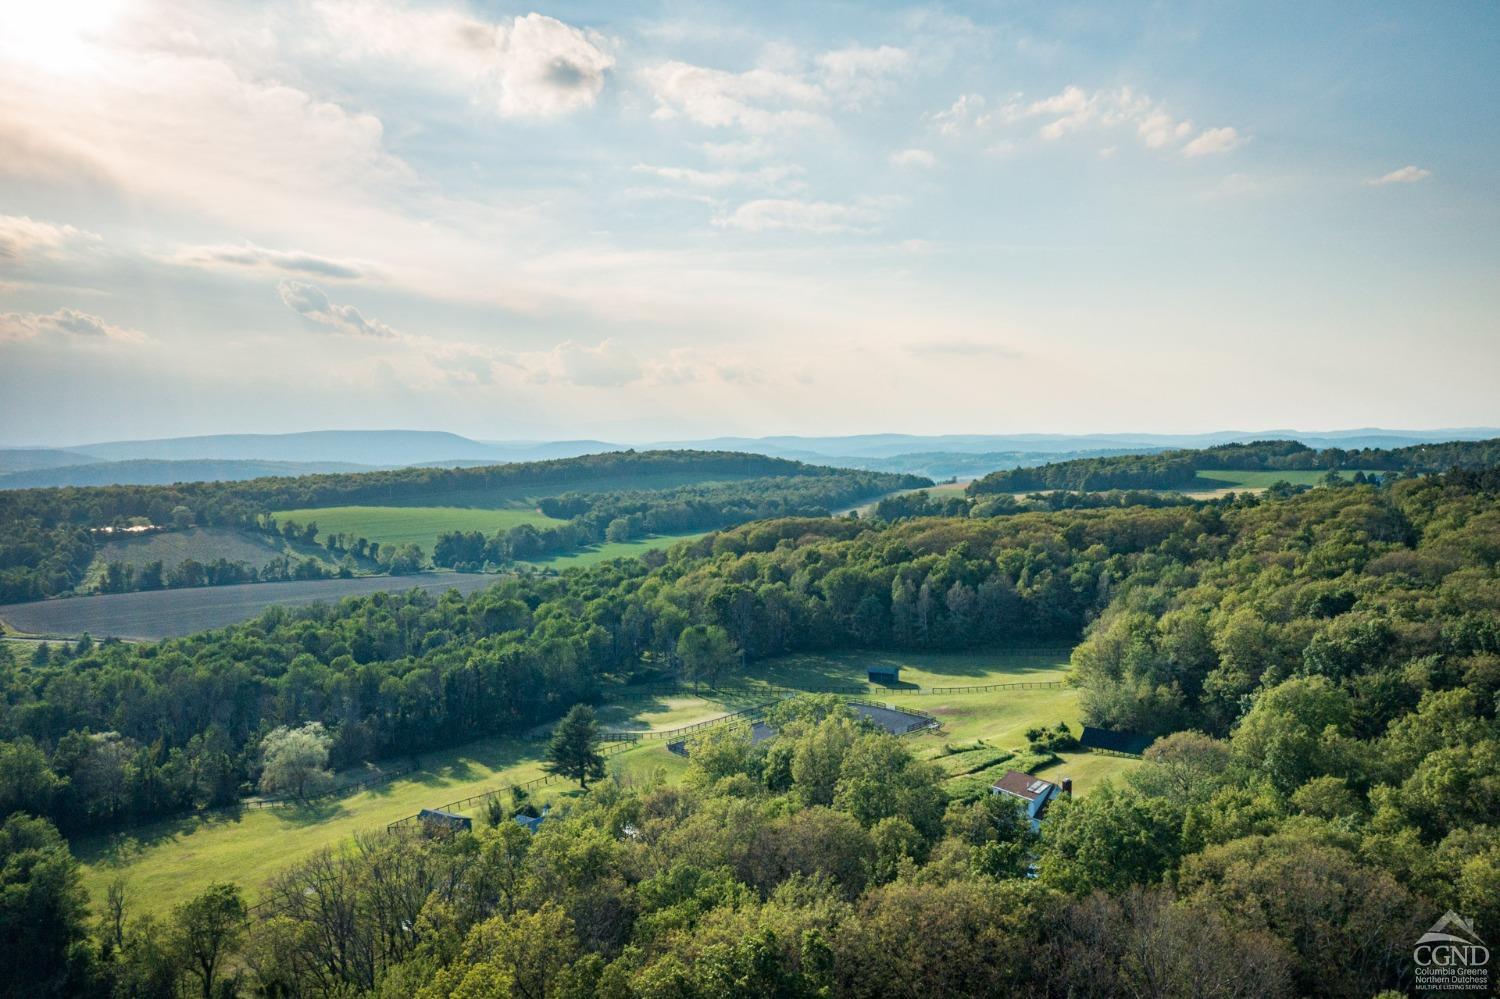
(1405, 175)
(605, 365)
(771, 177)
(1074, 110)
(799, 216)
(1213, 141)
(312, 303)
(757, 100)
(531, 66)
(858, 74)
(22, 237)
(64, 324)
(768, 97)
(967, 112)
(914, 158)
(248, 256)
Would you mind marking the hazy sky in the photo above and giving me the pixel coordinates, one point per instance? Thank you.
(669, 220)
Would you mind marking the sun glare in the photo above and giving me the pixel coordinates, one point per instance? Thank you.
(56, 36)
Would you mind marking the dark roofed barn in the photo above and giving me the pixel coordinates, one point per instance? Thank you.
(437, 820)
(1114, 742)
(889, 676)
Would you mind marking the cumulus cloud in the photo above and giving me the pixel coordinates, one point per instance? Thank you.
(64, 324)
(914, 158)
(799, 216)
(248, 256)
(312, 303)
(23, 237)
(528, 67)
(1405, 175)
(1212, 141)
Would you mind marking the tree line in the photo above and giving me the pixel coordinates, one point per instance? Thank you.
(596, 518)
(1180, 468)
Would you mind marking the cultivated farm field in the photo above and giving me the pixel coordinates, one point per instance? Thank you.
(157, 614)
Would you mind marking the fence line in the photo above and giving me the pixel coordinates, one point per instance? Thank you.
(978, 688)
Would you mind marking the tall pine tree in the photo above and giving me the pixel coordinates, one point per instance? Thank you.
(574, 750)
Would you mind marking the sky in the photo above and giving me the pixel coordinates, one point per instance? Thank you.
(668, 220)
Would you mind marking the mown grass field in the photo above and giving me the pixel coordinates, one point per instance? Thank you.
(1239, 480)
(169, 861)
(399, 525)
(594, 554)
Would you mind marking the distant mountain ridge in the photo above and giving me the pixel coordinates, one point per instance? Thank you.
(230, 457)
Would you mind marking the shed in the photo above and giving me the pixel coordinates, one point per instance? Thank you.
(437, 820)
(889, 676)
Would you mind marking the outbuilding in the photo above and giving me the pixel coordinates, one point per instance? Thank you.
(437, 820)
(887, 676)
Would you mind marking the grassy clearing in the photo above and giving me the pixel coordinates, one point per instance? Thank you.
(659, 713)
(936, 669)
(398, 525)
(594, 554)
(168, 862)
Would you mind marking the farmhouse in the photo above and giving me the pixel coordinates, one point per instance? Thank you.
(1036, 793)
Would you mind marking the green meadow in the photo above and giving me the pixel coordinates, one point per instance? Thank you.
(169, 861)
(398, 525)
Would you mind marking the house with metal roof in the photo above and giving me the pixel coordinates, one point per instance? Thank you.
(1034, 792)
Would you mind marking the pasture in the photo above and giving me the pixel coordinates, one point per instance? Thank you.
(594, 554)
(399, 525)
(1256, 480)
(169, 861)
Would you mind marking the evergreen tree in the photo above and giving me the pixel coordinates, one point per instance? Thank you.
(574, 750)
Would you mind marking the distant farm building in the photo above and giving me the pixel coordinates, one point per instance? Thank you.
(1034, 792)
(889, 676)
(435, 820)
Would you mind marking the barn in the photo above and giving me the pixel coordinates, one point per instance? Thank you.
(435, 820)
(888, 676)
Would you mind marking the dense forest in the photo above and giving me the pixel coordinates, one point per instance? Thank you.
(1180, 469)
(48, 537)
(1323, 665)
